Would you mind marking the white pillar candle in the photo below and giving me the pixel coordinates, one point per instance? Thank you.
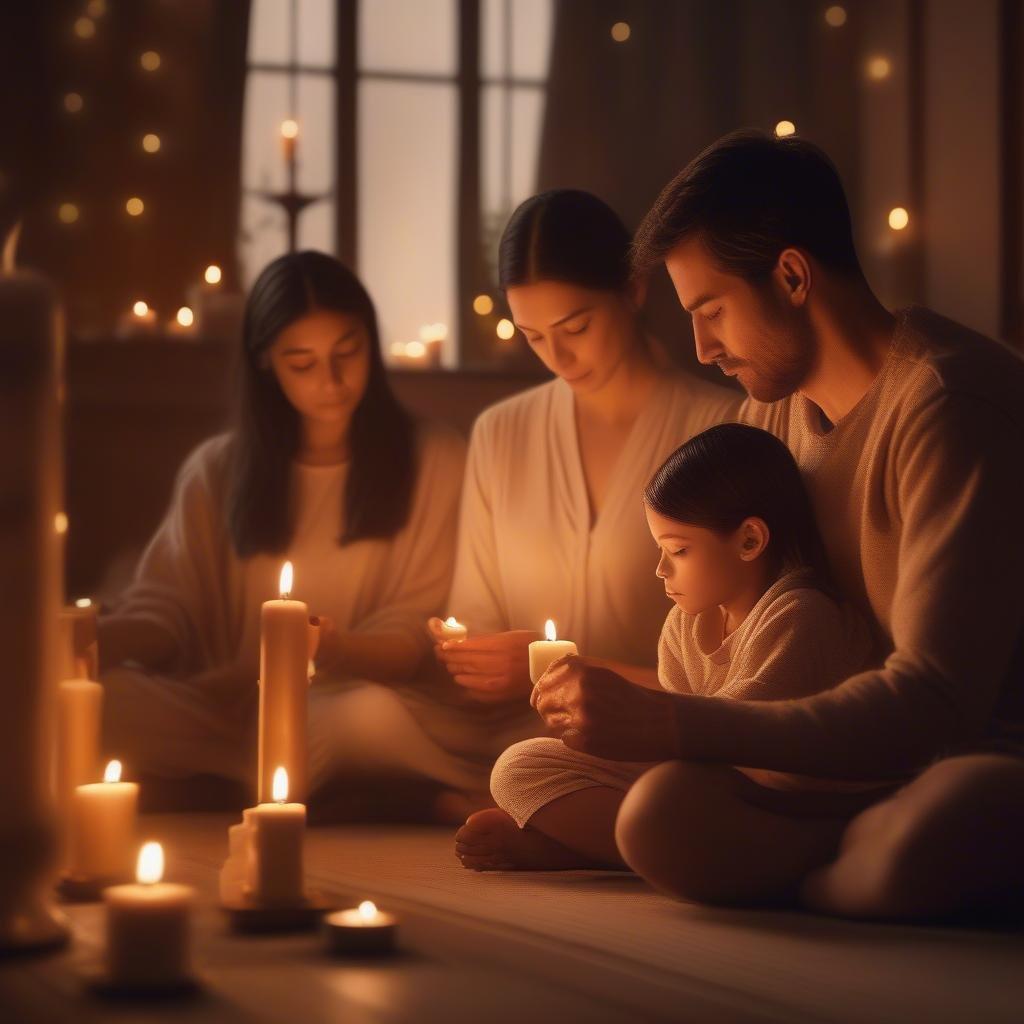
(149, 927)
(102, 827)
(361, 930)
(79, 710)
(453, 629)
(544, 652)
(79, 648)
(277, 873)
(284, 690)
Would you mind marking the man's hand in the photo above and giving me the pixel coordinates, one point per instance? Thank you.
(493, 667)
(598, 712)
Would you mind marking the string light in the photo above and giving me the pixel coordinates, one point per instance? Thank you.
(73, 102)
(898, 218)
(879, 68)
(151, 142)
(212, 274)
(85, 28)
(150, 60)
(784, 129)
(505, 329)
(835, 16)
(621, 31)
(483, 304)
(68, 213)
(135, 206)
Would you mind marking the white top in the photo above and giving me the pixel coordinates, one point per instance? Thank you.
(527, 551)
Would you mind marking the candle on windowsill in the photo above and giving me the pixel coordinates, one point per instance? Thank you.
(409, 355)
(362, 930)
(544, 652)
(149, 927)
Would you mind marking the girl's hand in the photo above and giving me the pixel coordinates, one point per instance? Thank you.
(594, 710)
(493, 667)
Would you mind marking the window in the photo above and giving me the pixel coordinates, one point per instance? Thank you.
(425, 175)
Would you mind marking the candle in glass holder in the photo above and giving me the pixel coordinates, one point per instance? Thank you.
(544, 652)
(102, 827)
(284, 690)
(149, 927)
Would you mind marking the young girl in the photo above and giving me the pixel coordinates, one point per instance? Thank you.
(742, 561)
(324, 468)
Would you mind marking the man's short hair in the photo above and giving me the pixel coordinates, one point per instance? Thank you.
(748, 197)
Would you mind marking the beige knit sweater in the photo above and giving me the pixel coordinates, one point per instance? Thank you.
(919, 493)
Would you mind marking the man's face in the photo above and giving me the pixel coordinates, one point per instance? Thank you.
(752, 331)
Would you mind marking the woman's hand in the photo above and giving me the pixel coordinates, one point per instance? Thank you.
(493, 667)
(598, 712)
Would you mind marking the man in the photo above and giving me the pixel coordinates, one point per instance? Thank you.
(909, 430)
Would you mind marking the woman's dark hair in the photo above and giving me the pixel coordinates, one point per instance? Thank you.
(732, 472)
(382, 472)
(564, 235)
(748, 197)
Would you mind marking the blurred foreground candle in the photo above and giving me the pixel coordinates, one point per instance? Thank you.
(277, 874)
(432, 336)
(31, 342)
(361, 930)
(102, 827)
(217, 312)
(544, 652)
(409, 355)
(79, 709)
(79, 646)
(141, 322)
(284, 690)
(453, 629)
(149, 927)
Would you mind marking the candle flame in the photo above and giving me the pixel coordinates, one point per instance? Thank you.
(416, 349)
(279, 787)
(290, 128)
(367, 910)
(83, 602)
(549, 631)
(112, 773)
(11, 248)
(287, 578)
(140, 308)
(60, 522)
(150, 867)
(452, 621)
(212, 274)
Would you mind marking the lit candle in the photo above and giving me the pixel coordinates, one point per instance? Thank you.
(289, 135)
(149, 927)
(79, 709)
(284, 685)
(452, 629)
(361, 930)
(102, 827)
(79, 647)
(276, 872)
(544, 652)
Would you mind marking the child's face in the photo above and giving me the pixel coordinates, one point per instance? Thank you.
(701, 569)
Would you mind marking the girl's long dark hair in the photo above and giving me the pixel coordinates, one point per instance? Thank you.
(266, 434)
(731, 472)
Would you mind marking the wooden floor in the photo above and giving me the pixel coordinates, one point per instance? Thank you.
(529, 948)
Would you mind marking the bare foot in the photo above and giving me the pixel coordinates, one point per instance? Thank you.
(492, 841)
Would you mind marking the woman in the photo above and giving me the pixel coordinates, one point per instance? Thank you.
(323, 468)
(552, 522)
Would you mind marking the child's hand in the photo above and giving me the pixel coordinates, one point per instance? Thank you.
(493, 667)
(594, 710)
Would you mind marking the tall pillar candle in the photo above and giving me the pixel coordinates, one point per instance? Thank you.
(79, 649)
(544, 652)
(284, 691)
(30, 553)
(79, 710)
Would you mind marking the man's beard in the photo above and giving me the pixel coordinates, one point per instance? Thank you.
(778, 377)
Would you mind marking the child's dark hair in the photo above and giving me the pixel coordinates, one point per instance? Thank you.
(565, 235)
(732, 472)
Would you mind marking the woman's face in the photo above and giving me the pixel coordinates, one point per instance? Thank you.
(580, 334)
(322, 362)
(700, 568)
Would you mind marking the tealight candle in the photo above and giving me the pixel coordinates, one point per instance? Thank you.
(452, 629)
(544, 652)
(276, 874)
(102, 827)
(148, 927)
(361, 930)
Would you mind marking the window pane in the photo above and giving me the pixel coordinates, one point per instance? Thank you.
(317, 227)
(406, 168)
(529, 41)
(268, 32)
(316, 32)
(510, 142)
(315, 146)
(408, 35)
(266, 106)
(263, 235)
